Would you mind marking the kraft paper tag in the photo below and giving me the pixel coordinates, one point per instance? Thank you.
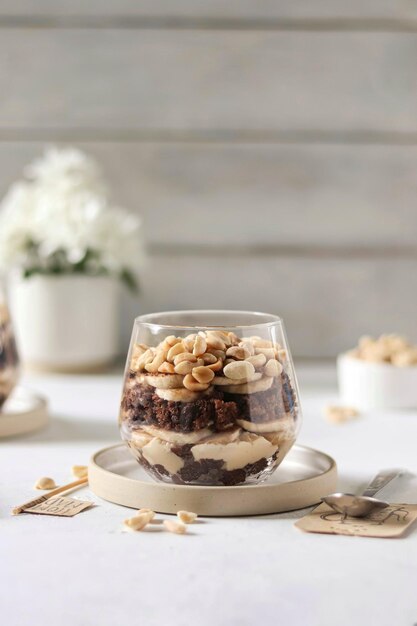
(60, 505)
(386, 523)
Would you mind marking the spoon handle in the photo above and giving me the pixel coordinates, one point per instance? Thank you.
(381, 479)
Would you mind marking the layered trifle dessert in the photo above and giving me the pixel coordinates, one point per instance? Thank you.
(209, 408)
(8, 356)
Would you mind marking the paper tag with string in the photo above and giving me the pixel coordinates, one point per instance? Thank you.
(59, 505)
(385, 523)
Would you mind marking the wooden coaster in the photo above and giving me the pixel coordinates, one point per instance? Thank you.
(300, 481)
(24, 412)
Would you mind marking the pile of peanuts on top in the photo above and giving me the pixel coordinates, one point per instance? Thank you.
(210, 357)
(393, 349)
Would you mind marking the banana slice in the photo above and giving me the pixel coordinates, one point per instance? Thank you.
(222, 380)
(178, 395)
(140, 438)
(263, 427)
(177, 438)
(253, 387)
(165, 381)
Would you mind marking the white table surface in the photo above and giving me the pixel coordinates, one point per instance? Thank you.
(86, 571)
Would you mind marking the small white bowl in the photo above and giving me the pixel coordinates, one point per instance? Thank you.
(367, 385)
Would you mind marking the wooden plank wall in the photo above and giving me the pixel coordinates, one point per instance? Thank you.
(271, 147)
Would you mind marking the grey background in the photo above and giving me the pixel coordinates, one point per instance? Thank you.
(270, 146)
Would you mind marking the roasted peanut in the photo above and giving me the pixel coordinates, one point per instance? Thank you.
(136, 523)
(340, 414)
(273, 368)
(175, 350)
(45, 483)
(209, 359)
(147, 357)
(235, 352)
(405, 358)
(192, 384)
(397, 343)
(186, 517)
(282, 355)
(172, 340)
(376, 353)
(138, 350)
(239, 369)
(188, 342)
(393, 348)
(185, 356)
(248, 345)
(146, 512)
(268, 352)
(79, 471)
(258, 360)
(200, 346)
(262, 343)
(166, 368)
(157, 361)
(219, 334)
(217, 366)
(203, 374)
(219, 354)
(214, 342)
(175, 527)
(184, 367)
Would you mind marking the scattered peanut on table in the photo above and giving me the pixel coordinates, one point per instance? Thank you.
(45, 483)
(340, 414)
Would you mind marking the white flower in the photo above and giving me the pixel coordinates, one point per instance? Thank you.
(68, 171)
(63, 207)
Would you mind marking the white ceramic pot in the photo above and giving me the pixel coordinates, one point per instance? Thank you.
(65, 323)
(368, 386)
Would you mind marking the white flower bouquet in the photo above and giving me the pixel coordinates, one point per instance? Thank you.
(59, 220)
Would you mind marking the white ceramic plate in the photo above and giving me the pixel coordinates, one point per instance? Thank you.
(301, 480)
(24, 412)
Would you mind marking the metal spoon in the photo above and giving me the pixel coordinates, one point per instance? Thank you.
(363, 504)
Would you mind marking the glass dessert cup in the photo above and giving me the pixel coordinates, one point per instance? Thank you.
(9, 361)
(209, 397)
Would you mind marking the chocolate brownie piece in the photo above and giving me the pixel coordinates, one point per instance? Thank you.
(141, 404)
(264, 406)
(218, 411)
(268, 405)
(210, 472)
(225, 413)
(288, 394)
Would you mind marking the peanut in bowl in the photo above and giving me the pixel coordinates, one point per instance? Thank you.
(379, 374)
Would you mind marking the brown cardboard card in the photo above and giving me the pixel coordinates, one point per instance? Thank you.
(59, 505)
(386, 523)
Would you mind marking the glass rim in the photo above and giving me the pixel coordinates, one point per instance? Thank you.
(146, 319)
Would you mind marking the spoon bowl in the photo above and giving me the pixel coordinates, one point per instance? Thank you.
(354, 506)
